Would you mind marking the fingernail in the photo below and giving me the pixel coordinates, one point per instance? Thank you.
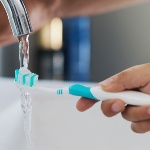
(148, 111)
(107, 82)
(116, 108)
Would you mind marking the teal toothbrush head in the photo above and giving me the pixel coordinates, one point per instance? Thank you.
(24, 77)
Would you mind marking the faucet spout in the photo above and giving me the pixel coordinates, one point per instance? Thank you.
(18, 17)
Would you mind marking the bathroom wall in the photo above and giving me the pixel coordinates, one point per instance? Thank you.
(120, 39)
(9, 60)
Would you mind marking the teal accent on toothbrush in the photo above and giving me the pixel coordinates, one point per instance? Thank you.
(32, 79)
(16, 74)
(80, 90)
(24, 79)
(60, 91)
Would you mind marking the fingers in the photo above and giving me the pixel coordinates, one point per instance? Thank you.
(112, 107)
(136, 113)
(84, 104)
(146, 88)
(141, 127)
(109, 108)
(139, 116)
(134, 77)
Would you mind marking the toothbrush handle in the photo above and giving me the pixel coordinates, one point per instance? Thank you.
(97, 93)
(129, 97)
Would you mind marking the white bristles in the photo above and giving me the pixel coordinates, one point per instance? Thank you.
(26, 78)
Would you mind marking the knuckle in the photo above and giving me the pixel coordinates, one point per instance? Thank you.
(140, 127)
(134, 129)
(105, 107)
(147, 65)
(126, 114)
(132, 113)
(122, 75)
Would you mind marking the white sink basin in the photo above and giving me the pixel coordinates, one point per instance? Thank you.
(57, 125)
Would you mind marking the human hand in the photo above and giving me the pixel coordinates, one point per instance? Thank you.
(134, 78)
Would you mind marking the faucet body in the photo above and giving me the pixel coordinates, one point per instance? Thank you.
(18, 17)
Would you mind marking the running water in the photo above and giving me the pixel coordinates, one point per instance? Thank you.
(24, 51)
(26, 100)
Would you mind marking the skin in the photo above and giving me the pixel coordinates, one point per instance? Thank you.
(134, 78)
(58, 8)
(41, 11)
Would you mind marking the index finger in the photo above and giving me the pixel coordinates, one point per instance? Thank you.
(85, 103)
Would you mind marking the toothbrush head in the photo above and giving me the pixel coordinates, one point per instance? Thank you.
(24, 77)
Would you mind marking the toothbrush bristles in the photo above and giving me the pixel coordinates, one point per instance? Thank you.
(25, 77)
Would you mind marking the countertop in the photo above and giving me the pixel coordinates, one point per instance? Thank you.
(57, 125)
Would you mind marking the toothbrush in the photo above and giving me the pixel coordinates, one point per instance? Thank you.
(29, 81)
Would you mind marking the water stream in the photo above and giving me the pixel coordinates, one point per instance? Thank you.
(25, 97)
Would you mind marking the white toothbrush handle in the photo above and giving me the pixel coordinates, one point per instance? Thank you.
(129, 97)
(97, 93)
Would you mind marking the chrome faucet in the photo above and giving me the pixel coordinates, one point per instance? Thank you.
(18, 17)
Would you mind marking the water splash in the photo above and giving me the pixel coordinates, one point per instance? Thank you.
(25, 97)
(26, 104)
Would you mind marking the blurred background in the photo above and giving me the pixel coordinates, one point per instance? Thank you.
(85, 48)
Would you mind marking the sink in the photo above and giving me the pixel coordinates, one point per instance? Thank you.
(57, 125)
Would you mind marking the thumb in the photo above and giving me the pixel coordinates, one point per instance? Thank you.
(134, 77)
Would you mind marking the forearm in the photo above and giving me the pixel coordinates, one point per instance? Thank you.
(41, 11)
(67, 8)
